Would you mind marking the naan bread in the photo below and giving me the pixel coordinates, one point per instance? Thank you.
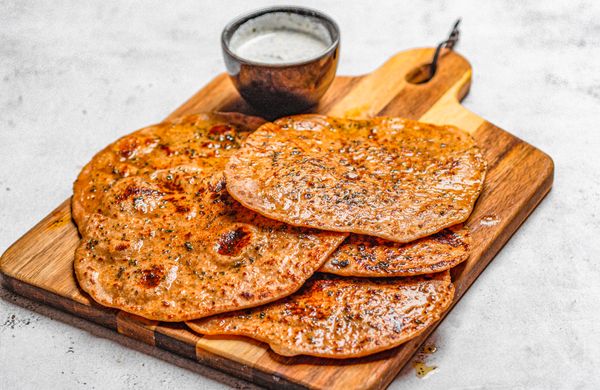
(388, 177)
(202, 140)
(165, 241)
(341, 318)
(361, 255)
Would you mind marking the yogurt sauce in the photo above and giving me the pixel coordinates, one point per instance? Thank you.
(280, 38)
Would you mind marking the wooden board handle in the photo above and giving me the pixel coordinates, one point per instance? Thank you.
(393, 93)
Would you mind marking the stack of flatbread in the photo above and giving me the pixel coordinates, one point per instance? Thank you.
(319, 236)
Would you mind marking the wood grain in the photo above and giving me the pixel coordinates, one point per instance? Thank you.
(40, 264)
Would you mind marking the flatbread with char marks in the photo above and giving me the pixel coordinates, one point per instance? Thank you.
(393, 178)
(341, 318)
(368, 256)
(166, 241)
(201, 140)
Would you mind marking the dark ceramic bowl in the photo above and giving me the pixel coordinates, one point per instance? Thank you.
(277, 89)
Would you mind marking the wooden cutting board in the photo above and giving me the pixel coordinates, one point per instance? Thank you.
(40, 264)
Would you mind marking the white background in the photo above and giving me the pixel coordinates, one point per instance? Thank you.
(76, 75)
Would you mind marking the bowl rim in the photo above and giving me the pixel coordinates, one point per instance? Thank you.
(232, 26)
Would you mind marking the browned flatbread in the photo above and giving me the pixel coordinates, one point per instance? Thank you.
(167, 242)
(194, 139)
(341, 318)
(368, 256)
(388, 177)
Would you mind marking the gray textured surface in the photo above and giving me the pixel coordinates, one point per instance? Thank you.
(74, 76)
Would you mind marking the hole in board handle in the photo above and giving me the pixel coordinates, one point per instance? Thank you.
(425, 72)
(420, 75)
